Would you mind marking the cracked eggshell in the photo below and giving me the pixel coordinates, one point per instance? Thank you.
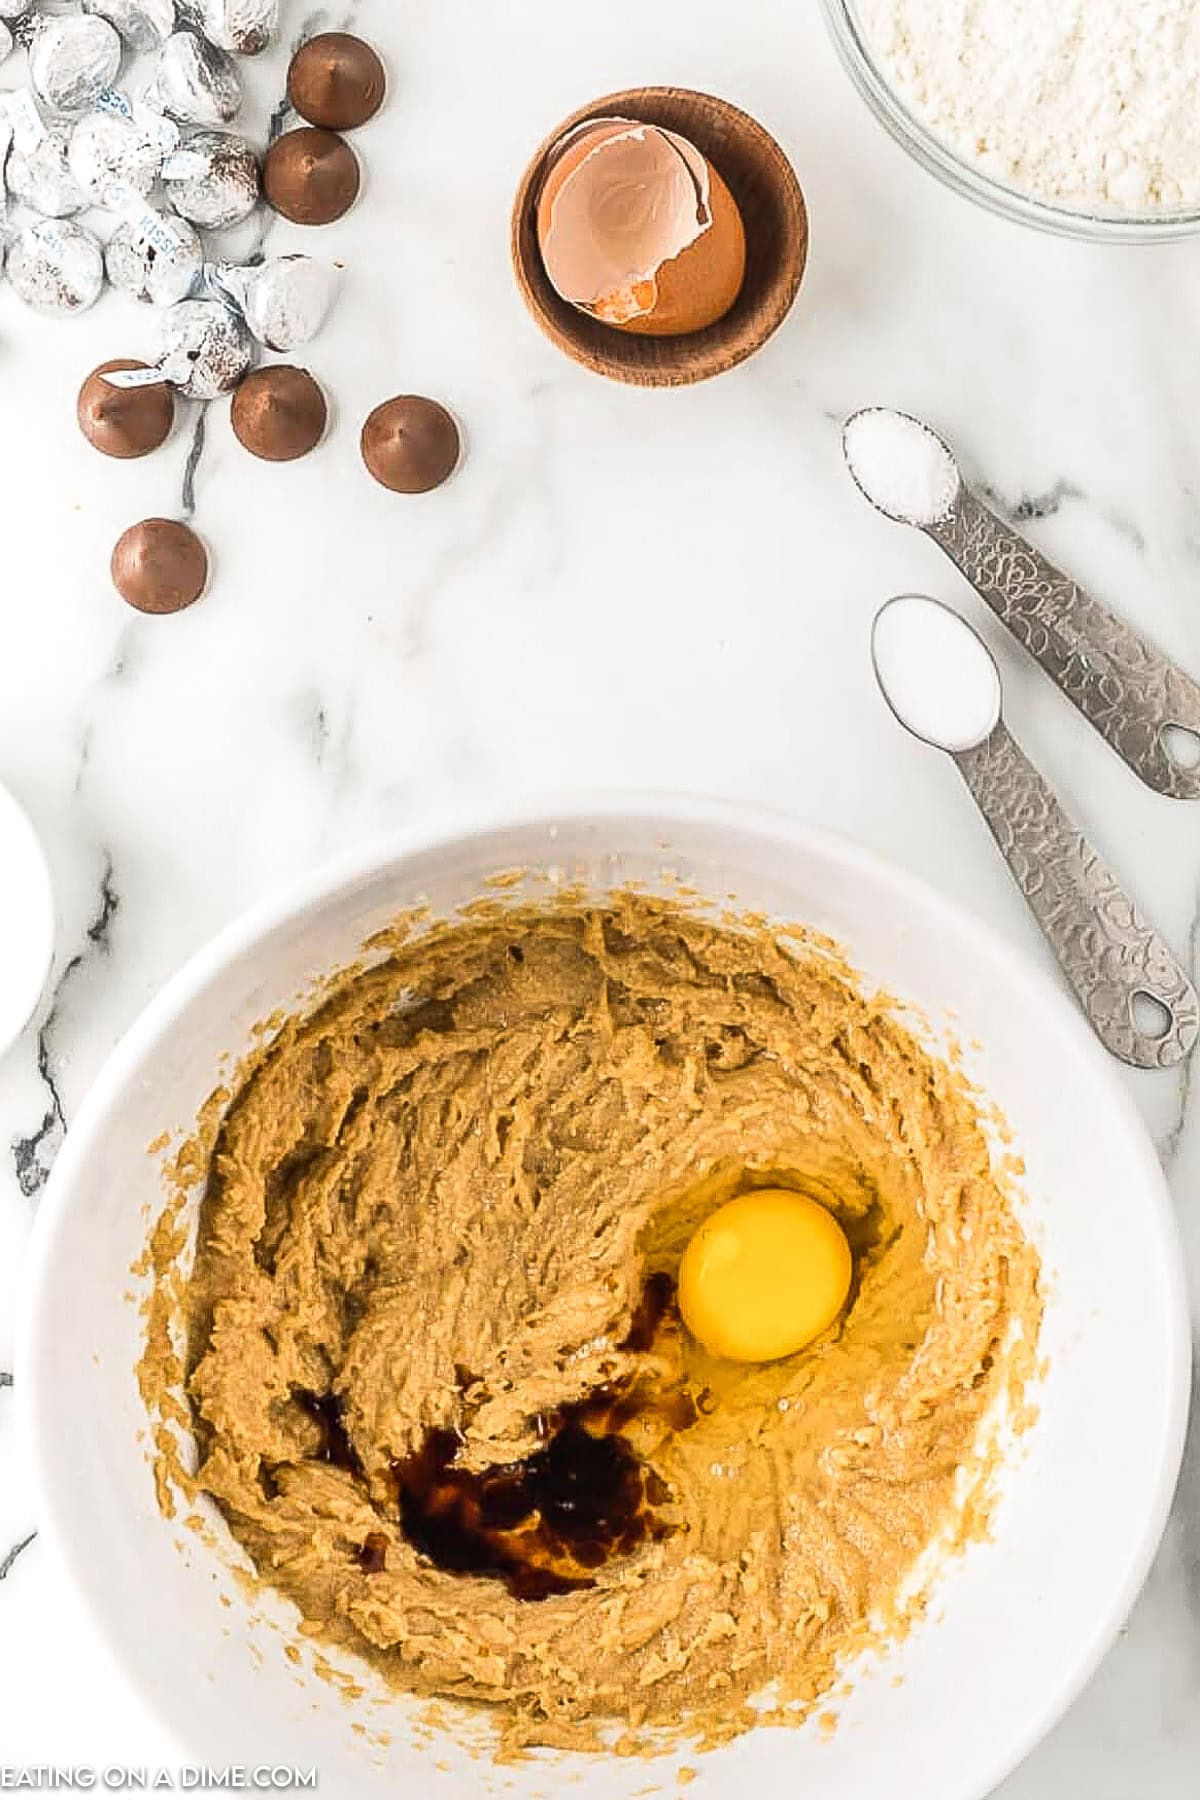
(637, 229)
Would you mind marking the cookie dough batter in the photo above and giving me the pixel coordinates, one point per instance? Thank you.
(442, 1221)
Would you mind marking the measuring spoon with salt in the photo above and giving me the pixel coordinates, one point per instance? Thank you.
(1146, 707)
(942, 683)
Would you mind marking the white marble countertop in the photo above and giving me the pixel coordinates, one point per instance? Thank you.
(666, 590)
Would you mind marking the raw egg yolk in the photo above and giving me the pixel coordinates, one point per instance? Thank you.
(765, 1275)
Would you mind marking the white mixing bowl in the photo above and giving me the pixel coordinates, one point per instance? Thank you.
(1018, 1624)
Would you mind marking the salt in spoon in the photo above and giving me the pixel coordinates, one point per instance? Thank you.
(1146, 707)
(942, 683)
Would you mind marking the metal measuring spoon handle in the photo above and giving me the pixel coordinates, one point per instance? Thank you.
(1121, 684)
(942, 683)
(1109, 951)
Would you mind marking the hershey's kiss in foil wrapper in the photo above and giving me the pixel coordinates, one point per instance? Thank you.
(206, 350)
(56, 266)
(157, 258)
(6, 42)
(108, 151)
(213, 179)
(41, 178)
(195, 81)
(285, 301)
(144, 24)
(246, 26)
(14, 9)
(73, 58)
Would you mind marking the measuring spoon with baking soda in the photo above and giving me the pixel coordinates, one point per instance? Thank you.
(1143, 704)
(943, 684)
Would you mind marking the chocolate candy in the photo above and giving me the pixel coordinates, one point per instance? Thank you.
(160, 566)
(144, 24)
(124, 422)
(213, 180)
(72, 60)
(284, 302)
(113, 158)
(157, 258)
(246, 26)
(279, 414)
(55, 266)
(40, 176)
(337, 81)
(206, 350)
(195, 82)
(312, 177)
(411, 445)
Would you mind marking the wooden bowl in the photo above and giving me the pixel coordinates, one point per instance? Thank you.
(768, 194)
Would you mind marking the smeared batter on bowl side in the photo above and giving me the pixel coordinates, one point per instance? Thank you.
(440, 1388)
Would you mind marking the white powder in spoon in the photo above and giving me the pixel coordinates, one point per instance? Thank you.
(936, 672)
(1091, 102)
(901, 466)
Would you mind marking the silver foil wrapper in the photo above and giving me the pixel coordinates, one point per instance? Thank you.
(41, 178)
(73, 58)
(206, 349)
(144, 24)
(56, 267)
(157, 259)
(195, 82)
(285, 301)
(245, 26)
(213, 180)
(109, 153)
(6, 42)
(14, 9)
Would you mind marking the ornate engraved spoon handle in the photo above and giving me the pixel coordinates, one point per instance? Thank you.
(1109, 952)
(1121, 684)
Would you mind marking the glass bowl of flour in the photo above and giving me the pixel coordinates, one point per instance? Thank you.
(1078, 116)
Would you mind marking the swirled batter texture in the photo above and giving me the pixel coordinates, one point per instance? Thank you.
(434, 1212)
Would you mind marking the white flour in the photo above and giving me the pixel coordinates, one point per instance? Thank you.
(1095, 102)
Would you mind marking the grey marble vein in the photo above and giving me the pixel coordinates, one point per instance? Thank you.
(315, 725)
(33, 1156)
(1050, 501)
(196, 451)
(1040, 506)
(1124, 527)
(17, 1550)
(279, 119)
(6, 1379)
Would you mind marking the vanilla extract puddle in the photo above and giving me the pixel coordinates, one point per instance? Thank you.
(547, 1524)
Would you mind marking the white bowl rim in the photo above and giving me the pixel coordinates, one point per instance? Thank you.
(611, 807)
